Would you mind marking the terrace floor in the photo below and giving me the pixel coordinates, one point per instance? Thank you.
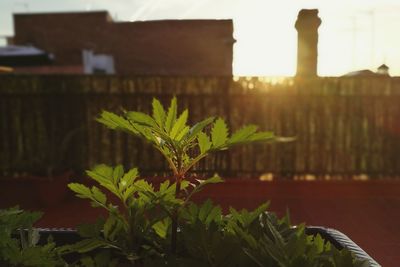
(368, 212)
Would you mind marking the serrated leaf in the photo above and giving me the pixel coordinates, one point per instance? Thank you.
(82, 190)
(242, 134)
(129, 192)
(164, 186)
(158, 113)
(128, 178)
(213, 180)
(198, 127)
(109, 226)
(141, 118)
(219, 133)
(101, 173)
(117, 173)
(204, 142)
(98, 195)
(144, 186)
(182, 133)
(146, 133)
(161, 227)
(179, 124)
(262, 136)
(171, 116)
(116, 122)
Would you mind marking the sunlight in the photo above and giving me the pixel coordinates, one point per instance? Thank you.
(351, 37)
(262, 48)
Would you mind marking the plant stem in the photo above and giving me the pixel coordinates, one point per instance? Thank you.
(178, 179)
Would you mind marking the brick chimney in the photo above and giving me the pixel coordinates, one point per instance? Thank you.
(307, 42)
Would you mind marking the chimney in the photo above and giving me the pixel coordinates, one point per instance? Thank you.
(307, 42)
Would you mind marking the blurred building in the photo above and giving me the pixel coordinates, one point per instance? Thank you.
(381, 71)
(94, 43)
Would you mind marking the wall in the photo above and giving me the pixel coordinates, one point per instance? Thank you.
(169, 47)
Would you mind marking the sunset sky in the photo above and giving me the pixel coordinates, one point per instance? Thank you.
(354, 34)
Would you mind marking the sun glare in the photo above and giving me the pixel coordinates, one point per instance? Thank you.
(351, 37)
(262, 48)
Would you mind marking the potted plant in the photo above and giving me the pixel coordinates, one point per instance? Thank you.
(158, 225)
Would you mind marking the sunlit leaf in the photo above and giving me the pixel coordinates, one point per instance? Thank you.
(81, 190)
(171, 116)
(98, 195)
(204, 142)
(242, 134)
(219, 133)
(198, 127)
(158, 112)
(117, 173)
(179, 124)
(141, 118)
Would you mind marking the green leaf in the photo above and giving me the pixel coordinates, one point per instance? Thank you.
(128, 193)
(101, 173)
(319, 243)
(179, 124)
(110, 227)
(213, 180)
(82, 190)
(98, 195)
(141, 118)
(161, 227)
(242, 134)
(198, 127)
(164, 186)
(158, 113)
(117, 174)
(262, 136)
(144, 186)
(171, 116)
(116, 122)
(182, 133)
(219, 133)
(128, 178)
(204, 142)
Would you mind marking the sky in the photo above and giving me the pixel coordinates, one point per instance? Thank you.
(354, 34)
